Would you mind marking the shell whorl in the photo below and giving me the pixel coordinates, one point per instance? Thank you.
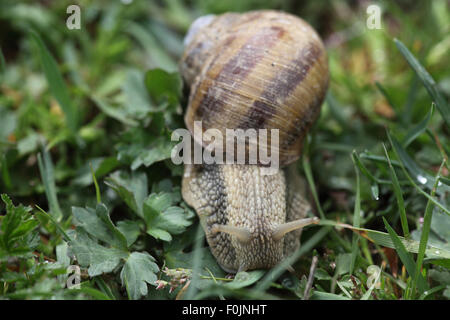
(258, 70)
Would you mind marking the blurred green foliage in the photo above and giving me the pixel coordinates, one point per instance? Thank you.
(100, 103)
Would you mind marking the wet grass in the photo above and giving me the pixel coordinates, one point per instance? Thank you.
(86, 119)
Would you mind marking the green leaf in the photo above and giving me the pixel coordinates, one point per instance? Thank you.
(101, 166)
(343, 263)
(441, 225)
(116, 113)
(160, 149)
(427, 81)
(99, 225)
(8, 122)
(162, 219)
(130, 229)
(15, 227)
(137, 100)
(156, 203)
(90, 254)
(162, 84)
(56, 83)
(29, 144)
(63, 259)
(153, 50)
(139, 270)
(138, 147)
(322, 274)
(48, 178)
(132, 189)
(443, 277)
(62, 254)
(405, 257)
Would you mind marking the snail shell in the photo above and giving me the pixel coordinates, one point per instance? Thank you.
(257, 70)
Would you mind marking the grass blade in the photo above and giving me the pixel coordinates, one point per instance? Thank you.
(378, 159)
(97, 188)
(318, 295)
(366, 172)
(310, 179)
(94, 293)
(56, 83)
(410, 99)
(386, 96)
(150, 45)
(406, 161)
(383, 239)
(104, 288)
(48, 178)
(418, 129)
(356, 215)
(5, 173)
(197, 265)
(336, 110)
(427, 81)
(2, 63)
(56, 223)
(431, 291)
(375, 191)
(420, 175)
(398, 195)
(405, 257)
(426, 230)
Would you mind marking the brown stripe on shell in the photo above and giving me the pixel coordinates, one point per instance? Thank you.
(281, 86)
(302, 125)
(199, 111)
(237, 69)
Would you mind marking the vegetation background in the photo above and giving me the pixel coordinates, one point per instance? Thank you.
(85, 123)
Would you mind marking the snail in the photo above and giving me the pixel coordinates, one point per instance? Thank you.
(256, 70)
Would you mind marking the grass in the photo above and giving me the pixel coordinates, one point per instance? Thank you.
(87, 181)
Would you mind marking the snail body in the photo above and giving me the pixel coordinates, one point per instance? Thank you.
(257, 70)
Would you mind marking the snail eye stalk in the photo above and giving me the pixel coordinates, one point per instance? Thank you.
(282, 229)
(242, 234)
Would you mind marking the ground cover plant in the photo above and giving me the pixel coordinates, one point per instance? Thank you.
(89, 191)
